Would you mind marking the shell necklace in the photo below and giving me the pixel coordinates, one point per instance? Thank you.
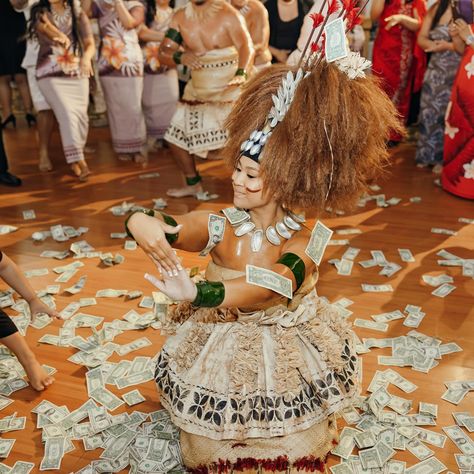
(242, 223)
(62, 20)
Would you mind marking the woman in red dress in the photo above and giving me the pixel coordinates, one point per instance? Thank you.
(458, 167)
(397, 59)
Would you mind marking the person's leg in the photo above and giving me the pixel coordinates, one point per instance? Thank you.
(13, 340)
(187, 165)
(37, 376)
(24, 91)
(5, 177)
(45, 130)
(5, 96)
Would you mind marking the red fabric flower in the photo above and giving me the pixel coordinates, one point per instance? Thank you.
(333, 7)
(314, 47)
(353, 18)
(317, 19)
(346, 5)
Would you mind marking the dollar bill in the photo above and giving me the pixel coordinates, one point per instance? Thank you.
(77, 287)
(428, 466)
(236, 216)
(120, 444)
(133, 397)
(368, 263)
(146, 302)
(110, 293)
(53, 454)
(345, 267)
(390, 269)
(134, 346)
(406, 255)
(59, 255)
(320, 237)
(66, 276)
(431, 437)
(106, 398)
(337, 242)
(83, 302)
(346, 443)
(464, 462)
(122, 209)
(438, 230)
(413, 320)
(430, 409)
(351, 253)
(268, 279)
(29, 214)
(132, 295)
(370, 458)
(364, 323)
(7, 229)
(135, 379)
(437, 280)
(205, 196)
(216, 230)
(379, 257)
(22, 467)
(159, 204)
(118, 235)
(443, 290)
(335, 45)
(350, 231)
(130, 245)
(341, 469)
(70, 310)
(419, 450)
(463, 442)
(376, 288)
(388, 317)
(36, 272)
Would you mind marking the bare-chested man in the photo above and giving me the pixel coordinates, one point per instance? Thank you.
(256, 18)
(210, 38)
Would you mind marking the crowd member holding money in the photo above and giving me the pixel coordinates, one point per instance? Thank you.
(9, 335)
(259, 363)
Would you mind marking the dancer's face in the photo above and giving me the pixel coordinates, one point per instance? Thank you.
(248, 185)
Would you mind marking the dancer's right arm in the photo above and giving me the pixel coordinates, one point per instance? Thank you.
(150, 233)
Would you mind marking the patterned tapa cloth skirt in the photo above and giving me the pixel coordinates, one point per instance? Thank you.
(69, 99)
(197, 125)
(257, 390)
(123, 96)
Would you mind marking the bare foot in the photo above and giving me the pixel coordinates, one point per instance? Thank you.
(437, 169)
(421, 165)
(140, 158)
(37, 376)
(45, 163)
(185, 191)
(81, 170)
(125, 157)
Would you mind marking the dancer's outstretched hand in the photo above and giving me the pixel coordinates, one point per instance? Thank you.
(149, 233)
(38, 307)
(177, 288)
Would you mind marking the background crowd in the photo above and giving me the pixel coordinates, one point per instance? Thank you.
(68, 58)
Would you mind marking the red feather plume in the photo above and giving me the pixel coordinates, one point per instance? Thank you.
(317, 19)
(314, 47)
(333, 7)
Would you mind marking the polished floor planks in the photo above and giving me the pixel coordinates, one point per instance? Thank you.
(58, 198)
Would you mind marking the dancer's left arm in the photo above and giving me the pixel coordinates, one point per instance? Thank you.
(237, 292)
(241, 39)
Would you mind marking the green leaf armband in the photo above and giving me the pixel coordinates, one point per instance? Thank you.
(177, 57)
(174, 35)
(148, 212)
(296, 265)
(171, 238)
(209, 294)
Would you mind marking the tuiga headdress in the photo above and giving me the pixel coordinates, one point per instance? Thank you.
(313, 54)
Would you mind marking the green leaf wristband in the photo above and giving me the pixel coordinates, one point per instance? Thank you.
(171, 238)
(174, 35)
(177, 57)
(296, 265)
(148, 212)
(209, 294)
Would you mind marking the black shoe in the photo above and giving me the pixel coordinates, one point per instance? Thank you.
(31, 119)
(11, 118)
(9, 180)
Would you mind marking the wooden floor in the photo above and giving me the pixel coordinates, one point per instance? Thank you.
(58, 199)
